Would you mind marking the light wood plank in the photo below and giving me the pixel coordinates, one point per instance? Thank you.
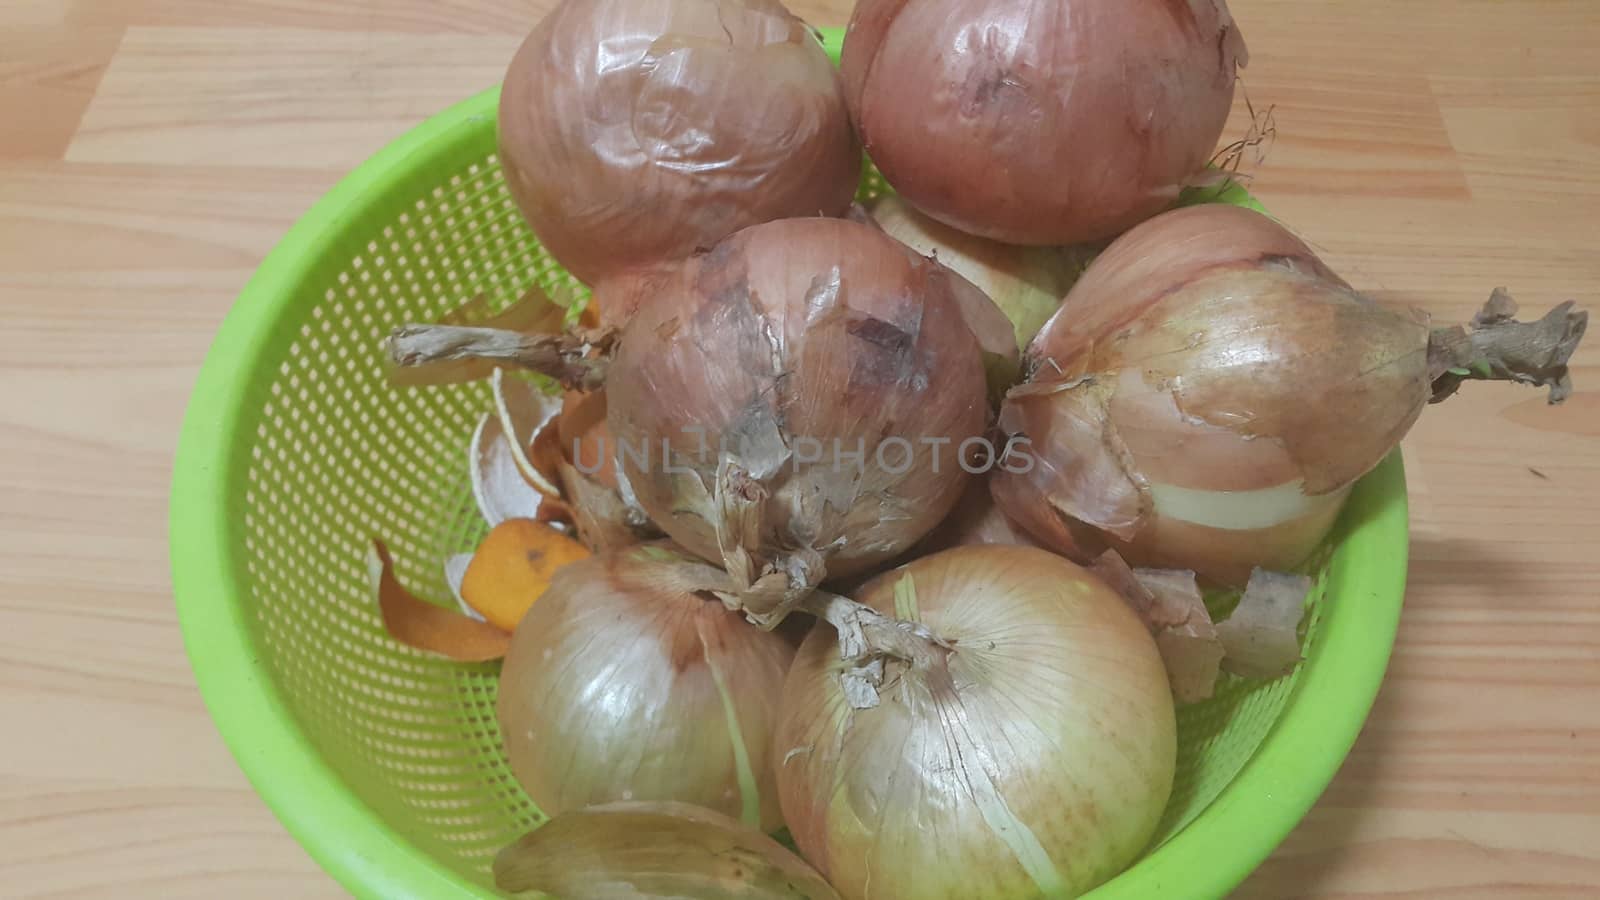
(1431, 153)
(48, 74)
(237, 97)
(493, 17)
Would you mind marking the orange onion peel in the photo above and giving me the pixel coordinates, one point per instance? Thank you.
(707, 115)
(515, 463)
(592, 497)
(1210, 391)
(512, 568)
(419, 624)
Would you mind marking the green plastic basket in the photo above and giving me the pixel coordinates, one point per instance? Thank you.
(385, 762)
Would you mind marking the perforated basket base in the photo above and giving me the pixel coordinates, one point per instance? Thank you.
(313, 453)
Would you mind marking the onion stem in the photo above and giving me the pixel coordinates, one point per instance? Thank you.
(864, 632)
(578, 358)
(866, 636)
(1499, 348)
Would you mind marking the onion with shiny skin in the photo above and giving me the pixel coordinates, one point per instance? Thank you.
(1210, 391)
(635, 131)
(1026, 283)
(1030, 756)
(1046, 121)
(624, 682)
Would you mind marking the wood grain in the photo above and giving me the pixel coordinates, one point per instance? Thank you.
(152, 151)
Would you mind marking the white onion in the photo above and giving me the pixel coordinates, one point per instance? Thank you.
(1032, 758)
(623, 682)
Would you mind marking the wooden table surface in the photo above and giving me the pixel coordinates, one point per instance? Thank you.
(152, 151)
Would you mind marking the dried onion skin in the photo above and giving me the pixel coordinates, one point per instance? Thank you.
(761, 367)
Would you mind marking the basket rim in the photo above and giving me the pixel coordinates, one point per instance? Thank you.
(347, 838)
(1258, 808)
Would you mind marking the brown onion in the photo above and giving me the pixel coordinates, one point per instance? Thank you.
(1028, 753)
(740, 392)
(633, 131)
(805, 401)
(624, 682)
(1053, 122)
(654, 851)
(1210, 391)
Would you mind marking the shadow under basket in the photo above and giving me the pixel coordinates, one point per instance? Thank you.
(386, 762)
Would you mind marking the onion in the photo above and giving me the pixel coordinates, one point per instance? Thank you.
(1045, 122)
(654, 851)
(625, 683)
(1026, 283)
(797, 404)
(976, 519)
(1210, 391)
(634, 131)
(757, 370)
(1030, 752)
(1170, 604)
